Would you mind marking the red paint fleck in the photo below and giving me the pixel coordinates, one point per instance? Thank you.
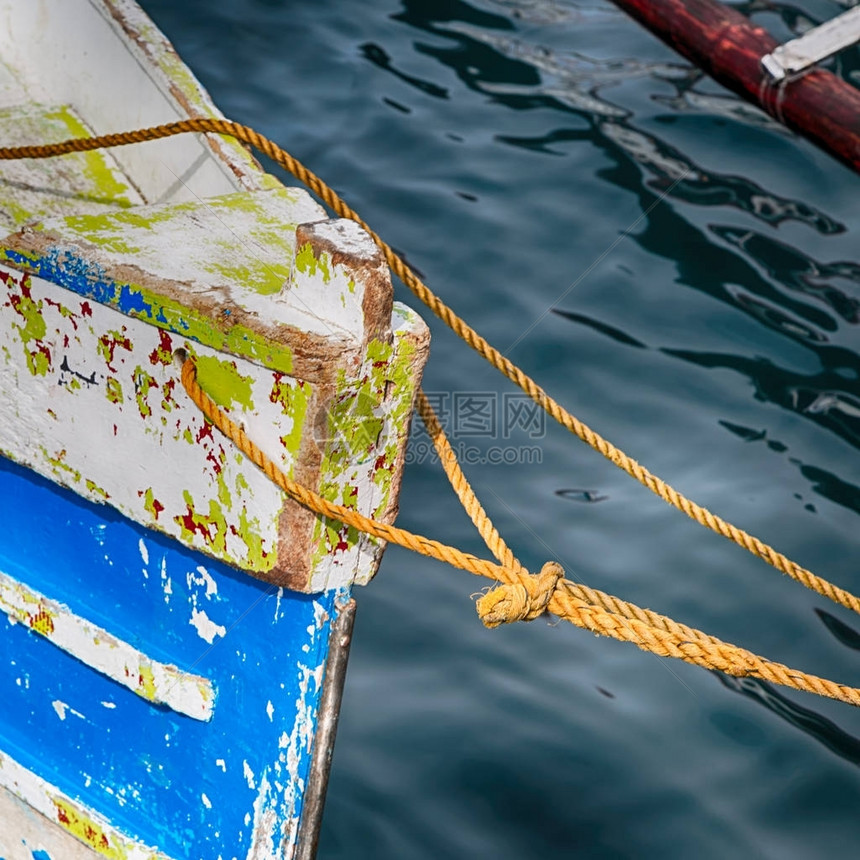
(65, 341)
(342, 545)
(110, 342)
(63, 311)
(277, 387)
(114, 429)
(381, 464)
(205, 432)
(86, 310)
(40, 347)
(61, 816)
(216, 463)
(42, 622)
(5, 277)
(163, 353)
(167, 388)
(157, 508)
(193, 526)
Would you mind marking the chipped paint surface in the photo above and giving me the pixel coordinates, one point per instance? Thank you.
(71, 816)
(169, 73)
(149, 452)
(151, 679)
(89, 182)
(289, 317)
(96, 35)
(250, 761)
(366, 431)
(95, 354)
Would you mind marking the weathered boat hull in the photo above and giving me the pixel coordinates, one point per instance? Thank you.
(97, 741)
(165, 694)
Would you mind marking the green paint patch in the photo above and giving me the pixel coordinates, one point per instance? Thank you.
(367, 424)
(90, 181)
(293, 397)
(36, 354)
(95, 489)
(211, 527)
(221, 380)
(60, 468)
(108, 344)
(150, 504)
(143, 384)
(113, 390)
(100, 174)
(309, 264)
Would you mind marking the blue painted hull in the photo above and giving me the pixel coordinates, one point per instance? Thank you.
(194, 789)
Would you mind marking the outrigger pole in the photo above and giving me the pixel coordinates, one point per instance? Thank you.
(780, 79)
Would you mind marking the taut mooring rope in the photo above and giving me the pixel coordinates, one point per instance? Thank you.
(280, 156)
(521, 596)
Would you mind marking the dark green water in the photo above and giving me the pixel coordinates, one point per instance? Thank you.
(685, 277)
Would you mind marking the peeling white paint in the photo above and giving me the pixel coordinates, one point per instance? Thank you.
(248, 774)
(276, 822)
(206, 802)
(270, 710)
(206, 628)
(320, 615)
(203, 578)
(60, 708)
(48, 800)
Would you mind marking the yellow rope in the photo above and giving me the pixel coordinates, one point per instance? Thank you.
(521, 596)
(247, 135)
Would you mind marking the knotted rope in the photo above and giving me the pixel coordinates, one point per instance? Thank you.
(281, 157)
(521, 596)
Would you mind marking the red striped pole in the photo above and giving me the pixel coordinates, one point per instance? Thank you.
(727, 46)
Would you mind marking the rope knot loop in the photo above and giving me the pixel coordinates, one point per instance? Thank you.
(523, 600)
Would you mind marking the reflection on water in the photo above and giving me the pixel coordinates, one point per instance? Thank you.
(819, 728)
(523, 74)
(798, 272)
(679, 177)
(378, 56)
(728, 107)
(844, 634)
(821, 397)
(823, 482)
(570, 79)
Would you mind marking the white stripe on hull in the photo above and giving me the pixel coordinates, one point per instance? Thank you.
(71, 832)
(160, 683)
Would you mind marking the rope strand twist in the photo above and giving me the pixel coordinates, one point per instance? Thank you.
(521, 596)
